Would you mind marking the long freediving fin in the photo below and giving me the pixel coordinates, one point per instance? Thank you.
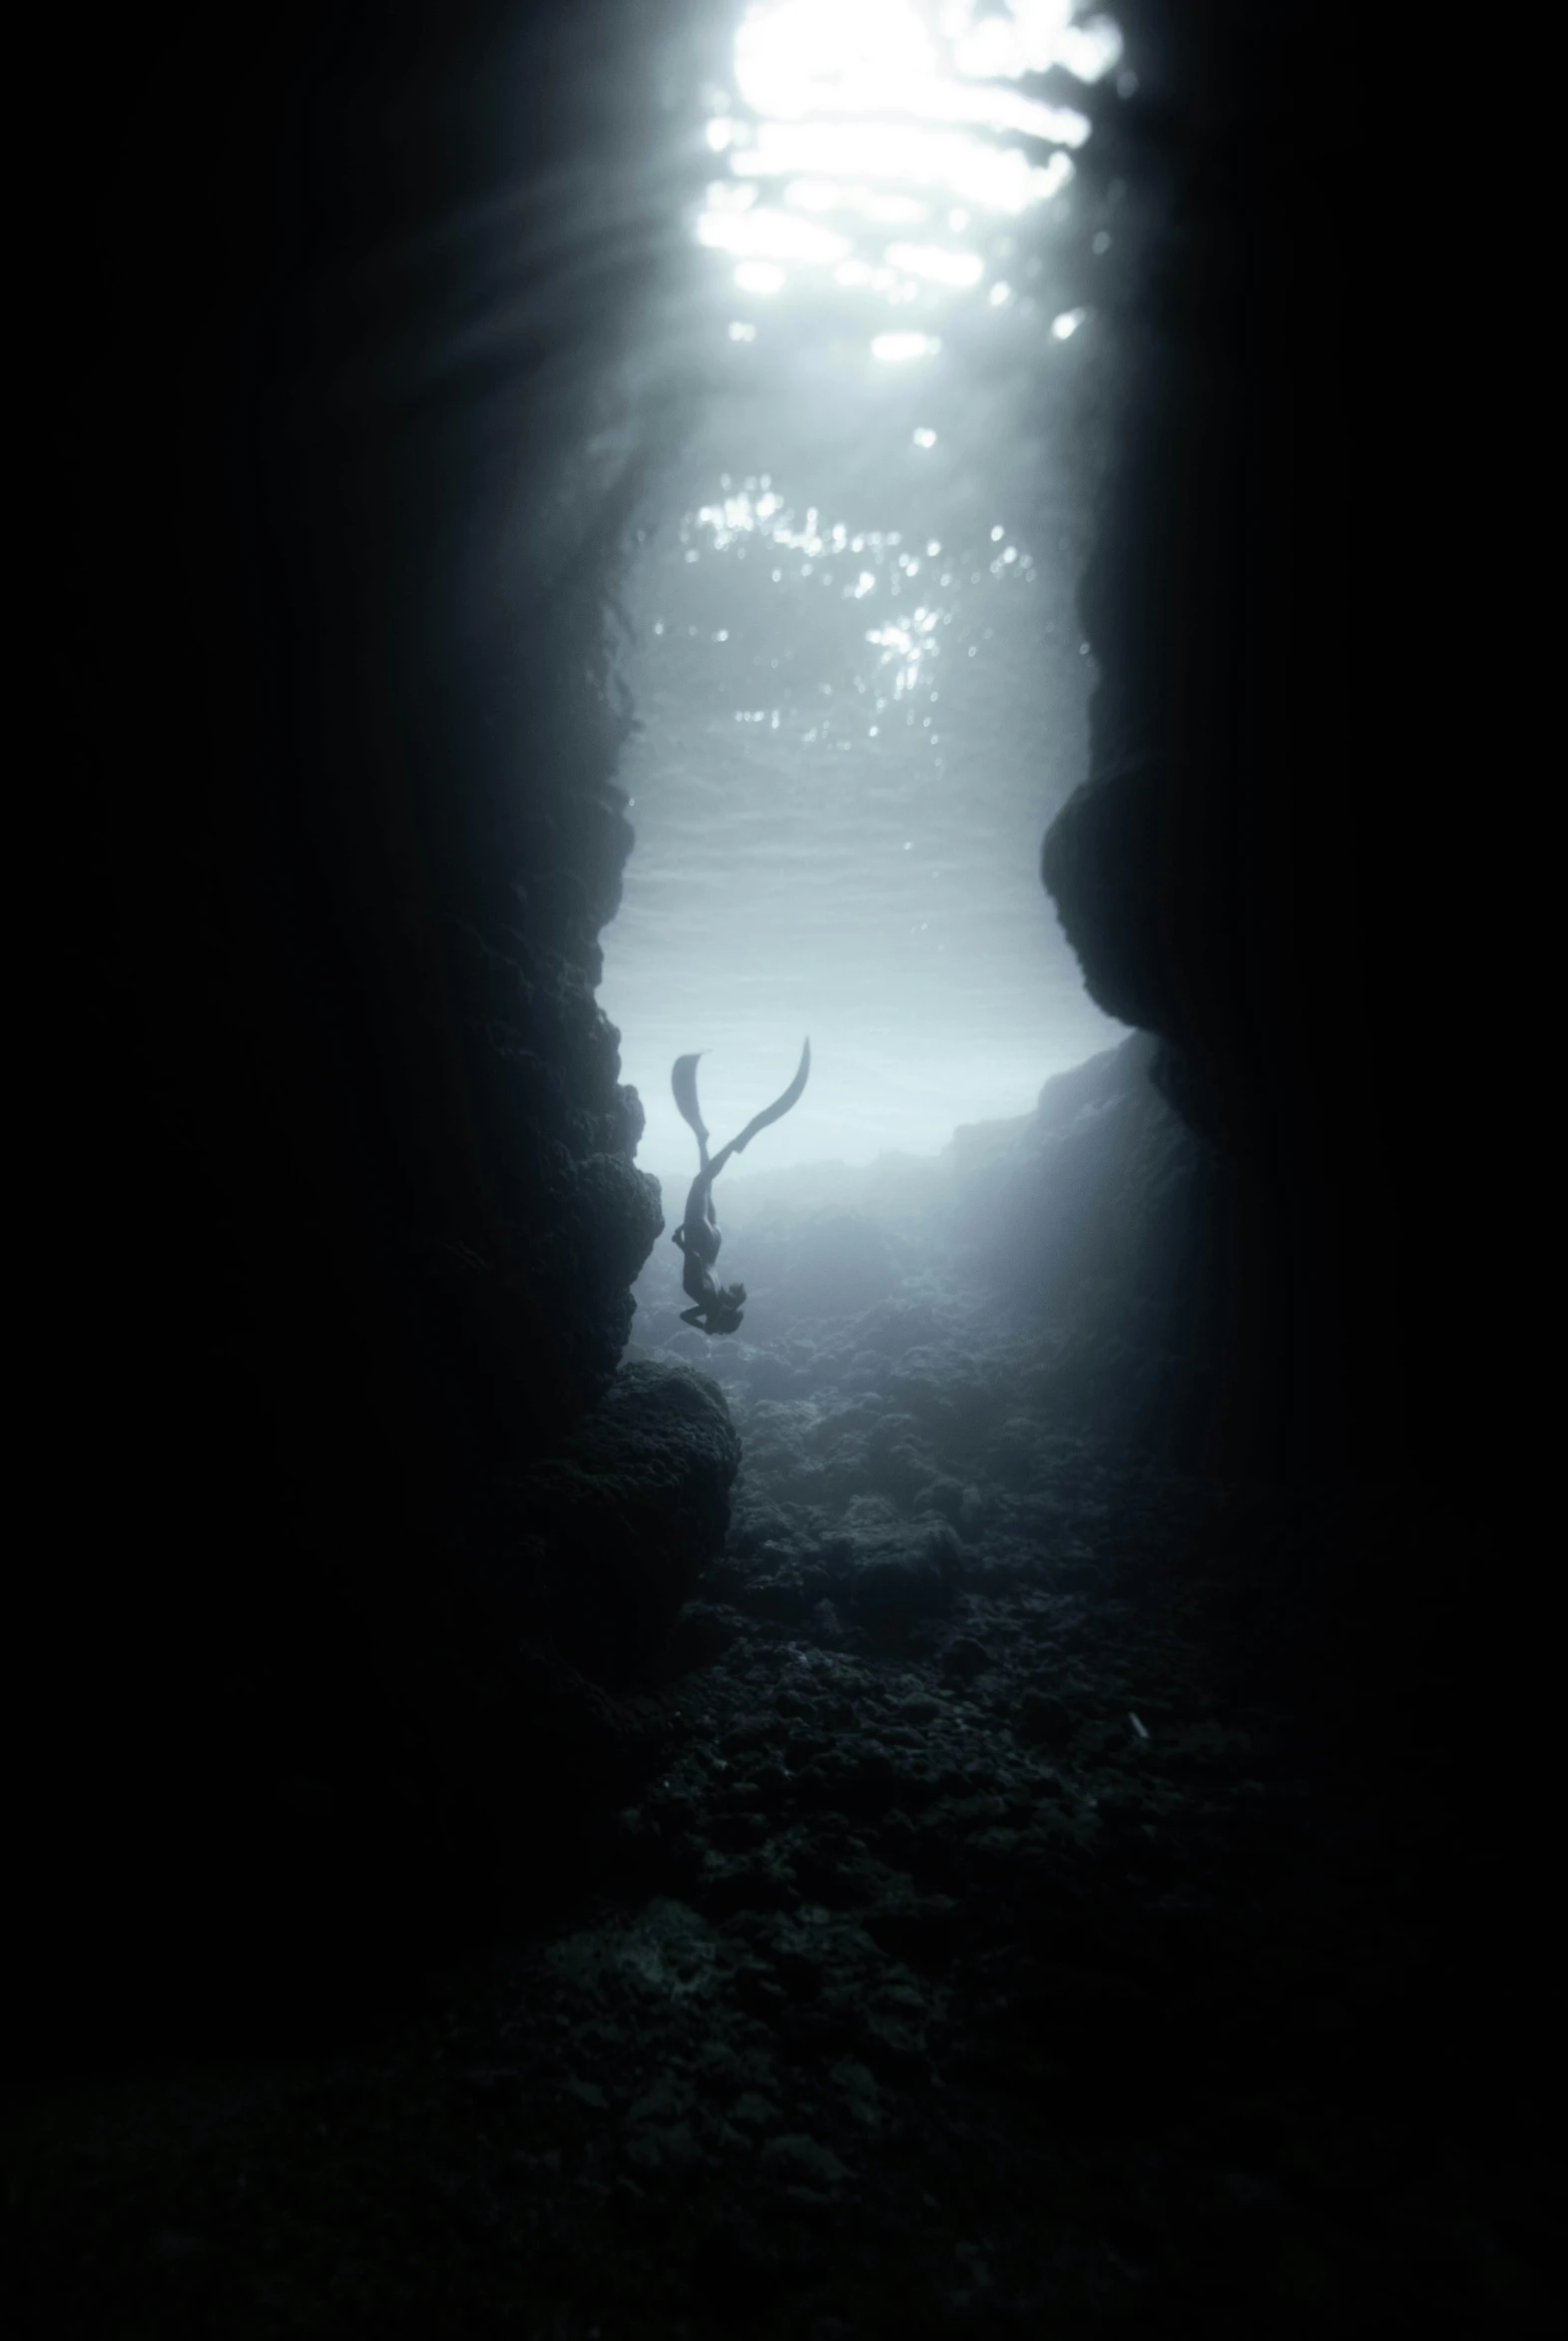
(682, 1081)
(775, 1112)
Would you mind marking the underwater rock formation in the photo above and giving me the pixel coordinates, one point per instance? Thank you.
(1257, 867)
(1246, 871)
(346, 436)
(624, 1519)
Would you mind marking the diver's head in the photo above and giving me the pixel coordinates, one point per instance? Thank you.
(723, 1310)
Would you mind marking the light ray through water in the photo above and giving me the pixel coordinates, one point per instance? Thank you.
(859, 674)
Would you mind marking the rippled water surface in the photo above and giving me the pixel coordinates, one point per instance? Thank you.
(853, 650)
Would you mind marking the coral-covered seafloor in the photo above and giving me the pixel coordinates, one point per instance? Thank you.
(1003, 1937)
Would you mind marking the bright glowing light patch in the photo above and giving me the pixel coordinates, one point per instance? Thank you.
(936, 262)
(1089, 51)
(896, 348)
(924, 437)
(1031, 38)
(1051, 180)
(991, 47)
(1001, 294)
(770, 234)
(994, 179)
(793, 58)
(1063, 327)
(886, 112)
(827, 194)
(807, 57)
(903, 648)
(739, 332)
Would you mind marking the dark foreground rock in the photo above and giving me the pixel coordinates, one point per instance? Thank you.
(331, 1167)
(1020, 1916)
(985, 1969)
(620, 1525)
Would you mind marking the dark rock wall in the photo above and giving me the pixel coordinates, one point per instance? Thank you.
(347, 397)
(1105, 1221)
(1295, 858)
(1256, 867)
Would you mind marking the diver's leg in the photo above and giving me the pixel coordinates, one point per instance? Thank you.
(699, 1225)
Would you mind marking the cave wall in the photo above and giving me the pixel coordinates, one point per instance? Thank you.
(346, 401)
(1125, 1243)
(1251, 870)
(1296, 862)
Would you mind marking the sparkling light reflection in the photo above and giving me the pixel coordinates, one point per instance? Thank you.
(877, 114)
(998, 179)
(896, 348)
(852, 732)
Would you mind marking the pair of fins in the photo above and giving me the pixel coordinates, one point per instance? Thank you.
(683, 1083)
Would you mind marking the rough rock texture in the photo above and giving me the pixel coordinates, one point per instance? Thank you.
(991, 1952)
(621, 1521)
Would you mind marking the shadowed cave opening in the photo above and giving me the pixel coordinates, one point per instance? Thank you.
(1005, 1795)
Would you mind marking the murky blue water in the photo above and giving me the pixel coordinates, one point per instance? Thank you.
(852, 642)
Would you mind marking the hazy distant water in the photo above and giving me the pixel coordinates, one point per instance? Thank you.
(856, 661)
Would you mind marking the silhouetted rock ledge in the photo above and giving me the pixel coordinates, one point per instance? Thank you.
(356, 1367)
(625, 1520)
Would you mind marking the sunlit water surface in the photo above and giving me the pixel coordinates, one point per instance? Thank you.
(853, 650)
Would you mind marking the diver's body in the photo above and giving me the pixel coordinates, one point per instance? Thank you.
(716, 1307)
(699, 1239)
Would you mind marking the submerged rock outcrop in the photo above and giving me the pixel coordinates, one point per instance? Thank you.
(1259, 867)
(1254, 868)
(348, 419)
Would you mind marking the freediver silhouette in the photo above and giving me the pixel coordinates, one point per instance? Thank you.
(716, 1307)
